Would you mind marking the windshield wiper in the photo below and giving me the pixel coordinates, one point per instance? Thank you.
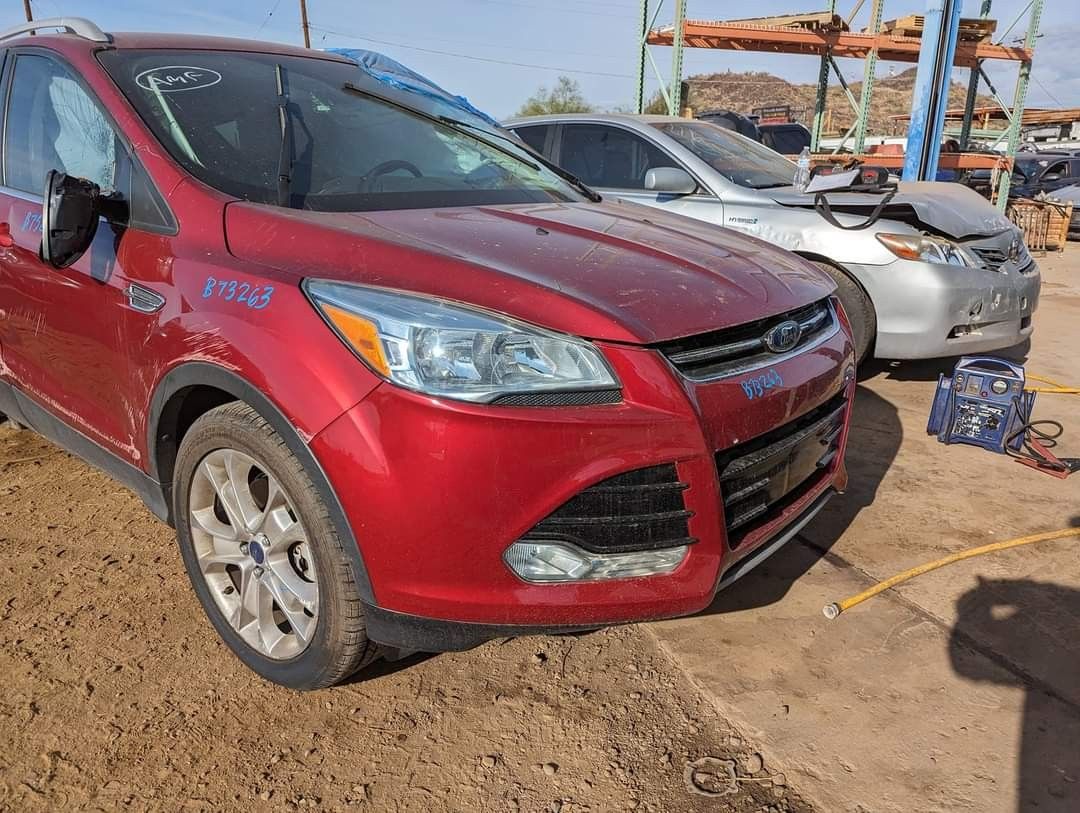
(571, 179)
(285, 152)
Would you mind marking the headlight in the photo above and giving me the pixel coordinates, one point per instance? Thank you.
(442, 348)
(929, 249)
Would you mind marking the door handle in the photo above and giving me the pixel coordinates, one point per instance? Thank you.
(143, 299)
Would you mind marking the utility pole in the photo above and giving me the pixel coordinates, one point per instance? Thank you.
(29, 13)
(303, 21)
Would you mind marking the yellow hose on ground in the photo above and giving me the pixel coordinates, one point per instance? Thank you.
(1054, 387)
(831, 611)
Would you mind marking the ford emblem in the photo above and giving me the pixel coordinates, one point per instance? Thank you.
(783, 337)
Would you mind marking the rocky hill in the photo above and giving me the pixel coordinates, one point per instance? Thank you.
(743, 92)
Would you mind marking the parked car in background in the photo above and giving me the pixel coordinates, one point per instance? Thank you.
(1070, 194)
(1045, 171)
(786, 138)
(730, 120)
(941, 273)
(395, 379)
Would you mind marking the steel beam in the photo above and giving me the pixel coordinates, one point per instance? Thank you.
(821, 99)
(1019, 98)
(973, 89)
(941, 31)
(675, 92)
(643, 48)
(869, 68)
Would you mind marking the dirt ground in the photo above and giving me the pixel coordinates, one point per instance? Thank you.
(960, 691)
(117, 694)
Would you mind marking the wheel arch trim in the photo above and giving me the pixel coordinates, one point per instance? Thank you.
(203, 374)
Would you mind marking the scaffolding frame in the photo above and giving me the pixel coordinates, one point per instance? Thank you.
(871, 46)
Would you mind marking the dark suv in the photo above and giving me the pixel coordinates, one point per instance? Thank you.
(394, 378)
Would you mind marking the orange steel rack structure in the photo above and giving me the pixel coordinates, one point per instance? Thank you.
(830, 43)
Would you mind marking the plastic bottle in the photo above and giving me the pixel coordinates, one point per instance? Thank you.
(802, 170)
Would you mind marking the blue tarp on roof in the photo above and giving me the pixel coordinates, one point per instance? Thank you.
(384, 69)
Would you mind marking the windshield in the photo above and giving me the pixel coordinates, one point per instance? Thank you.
(738, 159)
(218, 115)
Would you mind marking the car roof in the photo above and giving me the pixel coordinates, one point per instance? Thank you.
(137, 40)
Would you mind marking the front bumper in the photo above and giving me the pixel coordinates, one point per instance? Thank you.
(926, 310)
(437, 490)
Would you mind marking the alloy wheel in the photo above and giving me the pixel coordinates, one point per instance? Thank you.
(253, 551)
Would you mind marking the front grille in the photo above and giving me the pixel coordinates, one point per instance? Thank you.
(760, 478)
(738, 349)
(994, 258)
(639, 510)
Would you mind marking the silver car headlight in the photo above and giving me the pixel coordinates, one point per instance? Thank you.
(929, 249)
(455, 351)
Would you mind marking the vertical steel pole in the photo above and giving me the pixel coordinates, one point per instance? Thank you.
(641, 56)
(1019, 97)
(675, 94)
(937, 53)
(822, 97)
(972, 91)
(27, 11)
(304, 24)
(869, 68)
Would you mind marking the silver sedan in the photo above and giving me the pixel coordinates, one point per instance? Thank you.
(941, 273)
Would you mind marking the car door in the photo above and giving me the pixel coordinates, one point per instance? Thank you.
(614, 160)
(63, 331)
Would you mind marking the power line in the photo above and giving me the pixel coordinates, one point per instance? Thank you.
(1047, 92)
(266, 19)
(348, 35)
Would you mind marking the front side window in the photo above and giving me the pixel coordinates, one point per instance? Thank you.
(356, 145)
(740, 160)
(609, 157)
(53, 124)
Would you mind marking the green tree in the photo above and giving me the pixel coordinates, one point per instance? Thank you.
(565, 97)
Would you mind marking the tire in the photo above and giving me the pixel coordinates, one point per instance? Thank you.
(858, 307)
(263, 555)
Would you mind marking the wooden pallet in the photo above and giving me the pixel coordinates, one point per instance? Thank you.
(972, 29)
(812, 21)
(1045, 224)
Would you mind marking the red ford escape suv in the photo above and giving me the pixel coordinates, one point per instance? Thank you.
(394, 379)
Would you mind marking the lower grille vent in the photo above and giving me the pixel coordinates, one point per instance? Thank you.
(639, 510)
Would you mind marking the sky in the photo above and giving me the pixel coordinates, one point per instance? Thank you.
(498, 52)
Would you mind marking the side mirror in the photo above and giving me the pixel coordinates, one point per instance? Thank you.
(670, 180)
(69, 218)
(1051, 176)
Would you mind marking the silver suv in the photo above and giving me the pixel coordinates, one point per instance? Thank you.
(941, 273)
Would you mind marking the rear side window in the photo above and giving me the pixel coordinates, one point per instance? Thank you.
(609, 157)
(535, 136)
(53, 124)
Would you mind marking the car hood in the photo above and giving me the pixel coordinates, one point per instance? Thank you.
(951, 209)
(611, 271)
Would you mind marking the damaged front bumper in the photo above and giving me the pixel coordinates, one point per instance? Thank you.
(926, 310)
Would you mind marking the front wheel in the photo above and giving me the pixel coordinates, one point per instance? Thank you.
(858, 307)
(263, 555)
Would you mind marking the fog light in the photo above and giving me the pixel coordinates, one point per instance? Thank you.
(557, 561)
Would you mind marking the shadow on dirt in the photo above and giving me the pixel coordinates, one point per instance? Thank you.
(929, 369)
(1022, 633)
(875, 438)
